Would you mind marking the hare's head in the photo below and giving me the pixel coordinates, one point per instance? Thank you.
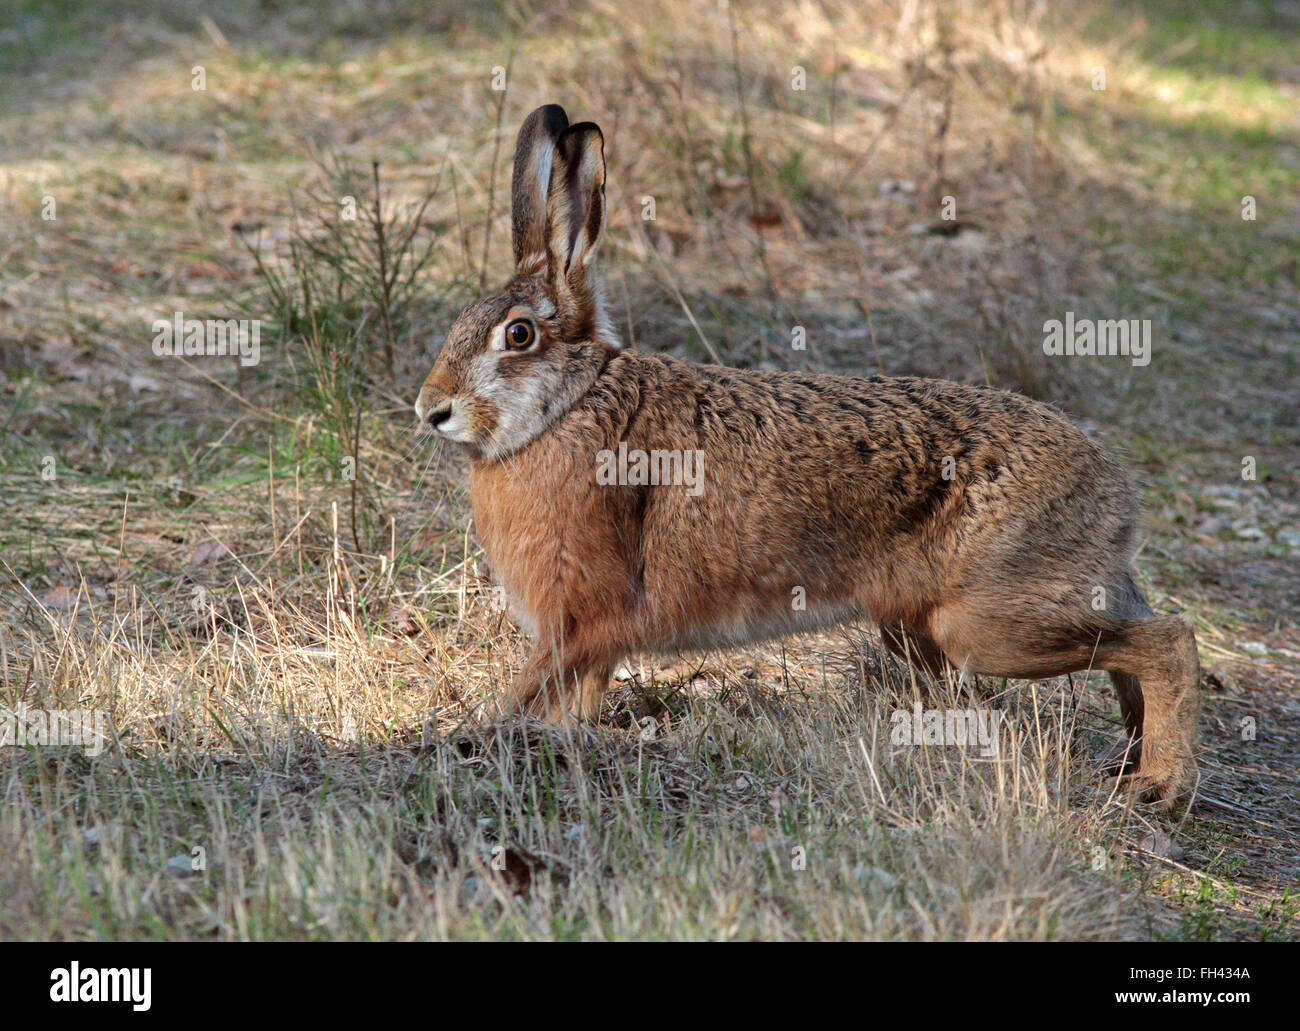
(516, 361)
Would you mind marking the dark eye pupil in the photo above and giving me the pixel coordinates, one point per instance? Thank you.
(520, 333)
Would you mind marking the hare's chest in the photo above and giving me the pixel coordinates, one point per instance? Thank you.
(522, 517)
(514, 516)
(558, 542)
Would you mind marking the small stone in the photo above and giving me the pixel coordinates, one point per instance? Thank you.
(867, 872)
(1158, 843)
(1225, 495)
(103, 832)
(180, 866)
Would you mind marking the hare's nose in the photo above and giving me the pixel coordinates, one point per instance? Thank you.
(437, 416)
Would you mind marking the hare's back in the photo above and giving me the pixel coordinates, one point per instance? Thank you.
(909, 477)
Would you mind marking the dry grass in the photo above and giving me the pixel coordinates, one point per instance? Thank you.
(338, 789)
(291, 659)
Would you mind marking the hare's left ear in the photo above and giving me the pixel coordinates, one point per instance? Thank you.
(529, 183)
(575, 217)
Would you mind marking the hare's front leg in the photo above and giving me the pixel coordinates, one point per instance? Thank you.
(556, 686)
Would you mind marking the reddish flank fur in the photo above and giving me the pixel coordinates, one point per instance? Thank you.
(977, 527)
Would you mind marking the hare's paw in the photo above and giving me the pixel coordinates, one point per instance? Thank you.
(521, 698)
(1169, 788)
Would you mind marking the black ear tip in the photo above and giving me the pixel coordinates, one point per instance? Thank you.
(583, 134)
(552, 118)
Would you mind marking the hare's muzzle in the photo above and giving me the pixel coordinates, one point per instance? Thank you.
(436, 415)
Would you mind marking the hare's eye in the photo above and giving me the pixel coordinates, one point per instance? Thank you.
(520, 334)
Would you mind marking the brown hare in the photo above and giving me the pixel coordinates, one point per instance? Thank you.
(975, 526)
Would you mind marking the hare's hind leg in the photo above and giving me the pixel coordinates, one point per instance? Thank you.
(1154, 668)
(1156, 673)
(1152, 661)
(914, 646)
(918, 649)
(1125, 756)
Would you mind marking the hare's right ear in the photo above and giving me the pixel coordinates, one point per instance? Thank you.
(575, 219)
(534, 152)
